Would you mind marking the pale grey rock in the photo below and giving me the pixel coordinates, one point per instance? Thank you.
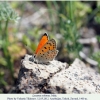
(78, 78)
(57, 77)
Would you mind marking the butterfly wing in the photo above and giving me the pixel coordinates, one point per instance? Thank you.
(48, 56)
(50, 45)
(47, 52)
(42, 42)
(51, 55)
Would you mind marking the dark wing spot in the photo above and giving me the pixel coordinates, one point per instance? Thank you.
(42, 50)
(45, 47)
(50, 44)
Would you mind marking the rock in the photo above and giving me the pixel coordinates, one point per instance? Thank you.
(57, 77)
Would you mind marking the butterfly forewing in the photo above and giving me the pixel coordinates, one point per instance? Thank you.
(42, 42)
(50, 45)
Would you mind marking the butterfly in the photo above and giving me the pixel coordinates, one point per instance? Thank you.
(46, 50)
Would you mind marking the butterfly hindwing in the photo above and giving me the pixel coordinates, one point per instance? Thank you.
(48, 56)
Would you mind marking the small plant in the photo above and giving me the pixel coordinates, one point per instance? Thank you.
(96, 15)
(70, 16)
(69, 30)
(96, 57)
(7, 15)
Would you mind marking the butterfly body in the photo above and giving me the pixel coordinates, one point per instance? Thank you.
(46, 50)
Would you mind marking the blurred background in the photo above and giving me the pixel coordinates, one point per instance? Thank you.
(75, 25)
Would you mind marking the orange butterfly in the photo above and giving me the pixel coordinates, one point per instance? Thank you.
(46, 50)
